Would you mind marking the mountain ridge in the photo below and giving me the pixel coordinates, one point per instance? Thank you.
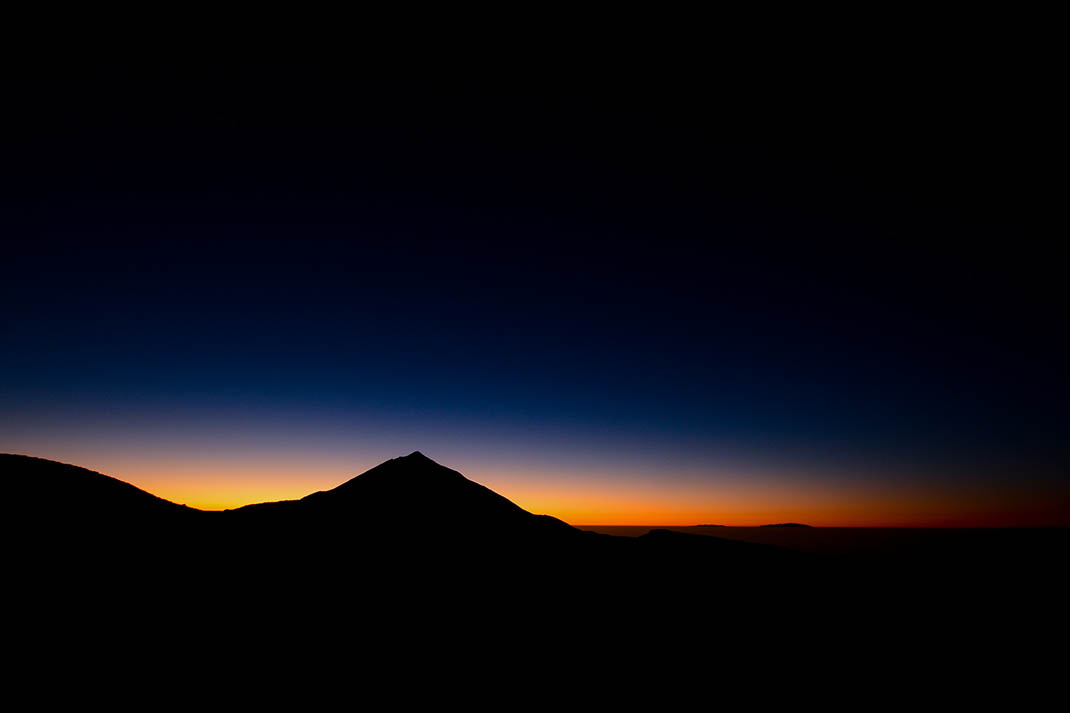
(428, 488)
(406, 514)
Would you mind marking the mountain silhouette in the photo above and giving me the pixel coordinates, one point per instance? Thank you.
(415, 490)
(406, 512)
(412, 489)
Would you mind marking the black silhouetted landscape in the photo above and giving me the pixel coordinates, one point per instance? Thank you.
(412, 551)
(408, 512)
(414, 518)
(774, 281)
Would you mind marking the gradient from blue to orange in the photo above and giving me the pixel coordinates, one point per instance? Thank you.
(230, 314)
(589, 485)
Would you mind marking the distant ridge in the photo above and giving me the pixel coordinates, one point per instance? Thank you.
(787, 524)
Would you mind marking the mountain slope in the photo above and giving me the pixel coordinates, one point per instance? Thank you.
(52, 492)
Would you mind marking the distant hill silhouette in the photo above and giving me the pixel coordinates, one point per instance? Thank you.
(786, 524)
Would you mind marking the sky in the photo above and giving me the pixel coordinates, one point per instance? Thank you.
(667, 299)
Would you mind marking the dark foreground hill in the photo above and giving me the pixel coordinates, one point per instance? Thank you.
(412, 560)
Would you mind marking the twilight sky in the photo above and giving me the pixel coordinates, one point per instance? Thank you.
(636, 300)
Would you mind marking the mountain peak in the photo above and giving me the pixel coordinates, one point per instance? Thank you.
(414, 472)
(415, 488)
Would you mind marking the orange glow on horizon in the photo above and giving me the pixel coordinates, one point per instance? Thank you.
(606, 498)
(614, 507)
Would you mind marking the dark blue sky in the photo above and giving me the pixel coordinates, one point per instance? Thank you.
(641, 271)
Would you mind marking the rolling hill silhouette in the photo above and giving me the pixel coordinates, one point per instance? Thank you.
(54, 493)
